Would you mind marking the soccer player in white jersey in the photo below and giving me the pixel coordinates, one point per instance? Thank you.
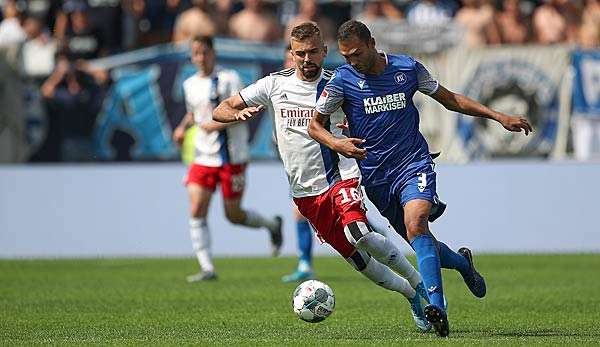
(325, 185)
(221, 154)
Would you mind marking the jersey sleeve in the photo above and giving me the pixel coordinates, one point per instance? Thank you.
(258, 93)
(427, 84)
(332, 97)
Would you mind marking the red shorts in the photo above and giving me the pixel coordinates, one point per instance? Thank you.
(329, 212)
(231, 176)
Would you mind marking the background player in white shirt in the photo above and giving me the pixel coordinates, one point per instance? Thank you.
(325, 185)
(221, 155)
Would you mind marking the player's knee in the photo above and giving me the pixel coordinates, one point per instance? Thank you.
(417, 223)
(235, 216)
(355, 231)
(197, 212)
(198, 208)
(359, 260)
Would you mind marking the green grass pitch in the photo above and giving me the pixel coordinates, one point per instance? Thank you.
(532, 300)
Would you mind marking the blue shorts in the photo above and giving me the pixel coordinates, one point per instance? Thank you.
(390, 199)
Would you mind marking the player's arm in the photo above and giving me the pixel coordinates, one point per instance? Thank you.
(346, 146)
(179, 131)
(235, 109)
(330, 100)
(460, 103)
(211, 125)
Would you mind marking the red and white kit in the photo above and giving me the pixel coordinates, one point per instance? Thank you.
(220, 156)
(324, 184)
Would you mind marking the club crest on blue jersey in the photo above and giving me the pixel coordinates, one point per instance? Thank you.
(400, 78)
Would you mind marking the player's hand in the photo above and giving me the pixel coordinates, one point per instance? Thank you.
(344, 126)
(516, 124)
(179, 135)
(348, 148)
(249, 112)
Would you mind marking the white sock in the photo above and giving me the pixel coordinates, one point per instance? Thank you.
(255, 220)
(304, 266)
(386, 252)
(200, 235)
(388, 279)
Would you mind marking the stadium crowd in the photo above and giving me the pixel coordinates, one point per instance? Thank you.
(57, 38)
(111, 26)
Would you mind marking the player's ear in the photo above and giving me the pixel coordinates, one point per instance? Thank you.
(372, 42)
(324, 50)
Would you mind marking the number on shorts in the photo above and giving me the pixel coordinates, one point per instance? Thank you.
(354, 195)
(422, 182)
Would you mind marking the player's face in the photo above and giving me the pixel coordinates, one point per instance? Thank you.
(358, 53)
(308, 56)
(203, 57)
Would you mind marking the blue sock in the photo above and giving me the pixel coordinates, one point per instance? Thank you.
(304, 243)
(452, 260)
(429, 267)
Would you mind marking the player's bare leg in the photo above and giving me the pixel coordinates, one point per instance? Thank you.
(199, 232)
(236, 215)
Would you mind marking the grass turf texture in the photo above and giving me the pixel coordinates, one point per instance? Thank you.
(532, 300)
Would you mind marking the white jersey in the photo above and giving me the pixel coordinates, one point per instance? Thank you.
(310, 167)
(202, 94)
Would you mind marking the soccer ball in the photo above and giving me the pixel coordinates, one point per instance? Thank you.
(313, 301)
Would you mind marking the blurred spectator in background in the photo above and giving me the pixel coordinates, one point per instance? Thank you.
(337, 11)
(73, 99)
(51, 12)
(82, 40)
(61, 17)
(380, 10)
(11, 31)
(155, 19)
(13, 143)
(253, 23)
(557, 21)
(133, 12)
(73, 91)
(224, 9)
(429, 13)
(39, 50)
(511, 23)
(477, 17)
(309, 12)
(106, 17)
(197, 21)
(589, 34)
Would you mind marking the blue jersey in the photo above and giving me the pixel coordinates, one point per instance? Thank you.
(381, 111)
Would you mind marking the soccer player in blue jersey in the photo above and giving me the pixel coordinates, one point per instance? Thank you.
(375, 91)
